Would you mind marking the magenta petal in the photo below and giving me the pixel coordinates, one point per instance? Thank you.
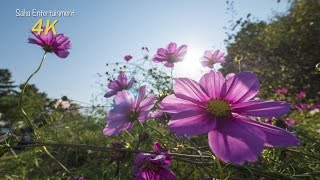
(130, 83)
(166, 174)
(110, 93)
(141, 95)
(236, 142)
(124, 97)
(112, 131)
(47, 38)
(261, 108)
(62, 53)
(168, 64)
(148, 103)
(173, 104)
(36, 41)
(171, 48)
(122, 78)
(161, 174)
(212, 83)
(113, 85)
(181, 51)
(189, 90)
(274, 136)
(241, 87)
(191, 123)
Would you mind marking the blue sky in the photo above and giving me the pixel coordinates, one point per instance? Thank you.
(104, 31)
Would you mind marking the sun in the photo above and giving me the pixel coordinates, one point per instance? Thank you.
(190, 67)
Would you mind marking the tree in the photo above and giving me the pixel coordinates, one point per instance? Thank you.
(34, 101)
(6, 84)
(287, 48)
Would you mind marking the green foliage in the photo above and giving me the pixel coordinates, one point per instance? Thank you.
(287, 48)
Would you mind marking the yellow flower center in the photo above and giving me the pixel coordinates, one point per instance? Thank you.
(219, 108)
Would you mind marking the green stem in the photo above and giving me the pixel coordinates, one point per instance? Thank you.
(171, 72)
(24, 113)
(22, 94)
(219, 167)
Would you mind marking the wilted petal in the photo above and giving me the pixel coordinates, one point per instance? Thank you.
(261, 108)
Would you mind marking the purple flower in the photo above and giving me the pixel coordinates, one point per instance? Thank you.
(301, 106)
(120, 84)
(127, 57)
(315, 106)
(171, 54)
(289, 121)
(127, 110)
(155, 114)
(211, 57)
(301, 95)
(219, 107)
(58, 44)
(306, 106)
(152, 166)
(281, 91)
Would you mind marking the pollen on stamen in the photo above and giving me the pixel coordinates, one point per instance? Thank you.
(218, 108)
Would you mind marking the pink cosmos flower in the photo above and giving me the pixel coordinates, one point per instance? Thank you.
(281, 91)
(155, 114)
(219, 107)
(127, 57)
(301, 95)
(120, 84)
(152, 166)
(127, 110)
(59, 44)
(171, 54)
(289, 121)
(301, 106)
(211, 57)
(315, 106)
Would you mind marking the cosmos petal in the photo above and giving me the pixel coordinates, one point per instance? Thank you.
(241, 87)
(261, 108)
(275, 136)
(212, 83)
(191, 123)
(188, 89)
(236, 142)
